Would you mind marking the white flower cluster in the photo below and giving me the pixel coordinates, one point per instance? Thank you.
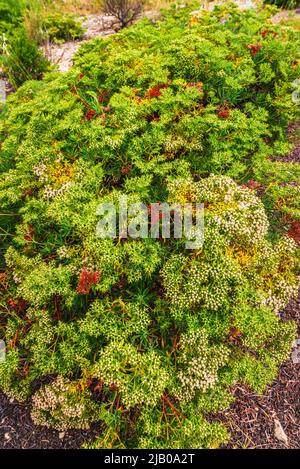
(279, 299)
(283, 283)
(40, 171)
(17, 278)
(199, 364)
(139, 377)
(63, 253)
(235, 209)
(60, 405)
(249, 226)
(202, 283)
(50, 192)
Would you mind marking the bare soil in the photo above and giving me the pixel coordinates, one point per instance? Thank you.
(251, 418)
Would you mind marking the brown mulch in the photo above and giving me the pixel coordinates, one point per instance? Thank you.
(17, 431)
(293, 132)
(251, 417)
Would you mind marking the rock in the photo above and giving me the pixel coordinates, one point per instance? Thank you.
(152, 15)
(61, 435)
(96, 25)
(61, 55)
(279, 432)
(7, 436)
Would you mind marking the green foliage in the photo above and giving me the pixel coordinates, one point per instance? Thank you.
(189, 109)
(62, 27)
(10, 14)
(288, 4)
(22, 60)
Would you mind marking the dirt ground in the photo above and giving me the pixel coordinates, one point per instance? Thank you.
(251, 418)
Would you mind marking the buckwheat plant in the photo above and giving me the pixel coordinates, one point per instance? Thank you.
(63, 405)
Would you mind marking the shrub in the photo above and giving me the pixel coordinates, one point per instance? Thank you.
(187, 109)
(62, 27)
(10, 14)
(63, 405)
(22, 60)
(125, 11)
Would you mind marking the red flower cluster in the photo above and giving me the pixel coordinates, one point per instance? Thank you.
(89, 114)
(155, 91)
(3, 279)
(224, 113)
(12, 303)
(18, 304)
(294, 231)
(126, 169)
(266, 32)
(86, 281)
(197, 84)
(253, 185)
(254, 48)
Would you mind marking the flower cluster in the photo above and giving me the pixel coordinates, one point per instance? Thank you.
(235, 209)
(86, 281)
(191, 284)
(50, 192)
(62, 405)
(40, 171)
(139, 377)
(198, 364)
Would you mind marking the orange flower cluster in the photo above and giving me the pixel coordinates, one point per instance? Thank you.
(89, 114)
(266, 32)
(86, 281)
(154, 92)
(294, 231)
(224, 114)
(254, 48)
